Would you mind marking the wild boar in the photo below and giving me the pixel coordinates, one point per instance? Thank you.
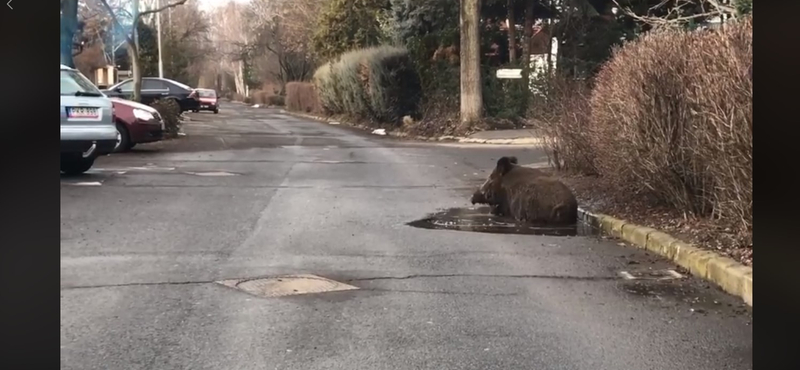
(527, 195)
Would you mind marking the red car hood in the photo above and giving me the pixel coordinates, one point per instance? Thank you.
(134, 104)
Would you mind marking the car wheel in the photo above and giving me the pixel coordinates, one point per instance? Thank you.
(216, 111)
(75, 164)
(123, 139)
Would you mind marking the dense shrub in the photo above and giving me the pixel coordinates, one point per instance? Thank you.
(276, 100)
(346, 24)
(170, 113)
(260, 96)
(379, 84)
(302, 97)
(672, 113)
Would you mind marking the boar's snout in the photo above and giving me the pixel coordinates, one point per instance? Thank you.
(478, 198)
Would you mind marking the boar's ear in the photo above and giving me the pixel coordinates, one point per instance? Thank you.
(513, 160)
(504, 165)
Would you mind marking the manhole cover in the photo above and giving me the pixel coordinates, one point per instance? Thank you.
(651, 275)
(286, 285)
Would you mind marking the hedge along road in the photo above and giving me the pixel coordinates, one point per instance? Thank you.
(254, 193)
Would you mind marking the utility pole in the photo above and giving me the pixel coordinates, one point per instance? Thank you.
(158, 30)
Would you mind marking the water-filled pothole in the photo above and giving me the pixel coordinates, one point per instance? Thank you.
(479, 219)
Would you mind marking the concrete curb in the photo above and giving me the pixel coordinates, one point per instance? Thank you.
(730, 275)
(458, 139)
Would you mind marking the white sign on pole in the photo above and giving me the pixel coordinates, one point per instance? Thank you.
(509, 73)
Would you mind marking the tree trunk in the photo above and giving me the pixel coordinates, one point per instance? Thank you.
(526, 43)
(136, 68)
(69, 25)
(471, 93)
(512, 33)
(134, 53)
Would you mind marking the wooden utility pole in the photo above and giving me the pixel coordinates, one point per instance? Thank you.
(471, 89)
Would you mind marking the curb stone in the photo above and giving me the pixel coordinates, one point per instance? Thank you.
(450, 138)
(727, 273)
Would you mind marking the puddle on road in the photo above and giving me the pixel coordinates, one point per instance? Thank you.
(481, 220)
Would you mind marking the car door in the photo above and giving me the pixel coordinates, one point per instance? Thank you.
(153, 89)
(123, 90)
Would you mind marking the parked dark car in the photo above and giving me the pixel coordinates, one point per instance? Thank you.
(154, 88)
(208, 100)
(136, 124)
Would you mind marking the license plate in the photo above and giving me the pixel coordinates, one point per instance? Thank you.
(83, 113)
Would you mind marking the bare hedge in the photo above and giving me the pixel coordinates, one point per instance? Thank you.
(672, 113)
(302, 97)
(379, 84)
(170, 113)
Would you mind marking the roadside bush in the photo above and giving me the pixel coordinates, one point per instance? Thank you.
(170, 113)
(672, 113)
(302, 97)
(260, 96)
(379, 84)
(561, 112)
(276, 100)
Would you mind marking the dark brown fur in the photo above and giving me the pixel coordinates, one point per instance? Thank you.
(527, 194)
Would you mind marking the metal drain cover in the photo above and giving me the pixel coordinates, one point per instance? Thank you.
(286, 285)
(651, 275)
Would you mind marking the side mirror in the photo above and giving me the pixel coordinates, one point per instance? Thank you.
(117, 90)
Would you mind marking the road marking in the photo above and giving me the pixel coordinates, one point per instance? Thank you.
(217, 173)
(86, 183)
(627, 275)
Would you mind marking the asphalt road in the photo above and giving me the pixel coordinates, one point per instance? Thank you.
(256, 193)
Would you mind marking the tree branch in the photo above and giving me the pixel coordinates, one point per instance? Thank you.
(116, 20)
(157, 10)
(716, 9)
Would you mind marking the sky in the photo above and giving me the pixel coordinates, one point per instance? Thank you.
(209, 4)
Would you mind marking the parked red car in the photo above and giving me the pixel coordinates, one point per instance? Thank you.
(208, 100)
(136, 124)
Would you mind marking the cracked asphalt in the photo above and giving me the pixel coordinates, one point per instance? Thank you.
(258, 193)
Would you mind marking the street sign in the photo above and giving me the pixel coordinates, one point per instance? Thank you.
(509, 73)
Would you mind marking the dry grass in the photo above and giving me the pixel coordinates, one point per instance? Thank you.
(302, 97)
(261, 96)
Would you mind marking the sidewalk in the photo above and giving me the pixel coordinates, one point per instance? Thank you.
(515, 137)
(497, 137)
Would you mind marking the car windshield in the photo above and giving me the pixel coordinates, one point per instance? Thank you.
(74, 83)
(208, 93)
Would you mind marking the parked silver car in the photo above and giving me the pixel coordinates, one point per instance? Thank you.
(87, 125)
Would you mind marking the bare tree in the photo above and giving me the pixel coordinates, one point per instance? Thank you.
(284, 30)
(471, 89)
(231, 39)
(133, 40)
(681, 12)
